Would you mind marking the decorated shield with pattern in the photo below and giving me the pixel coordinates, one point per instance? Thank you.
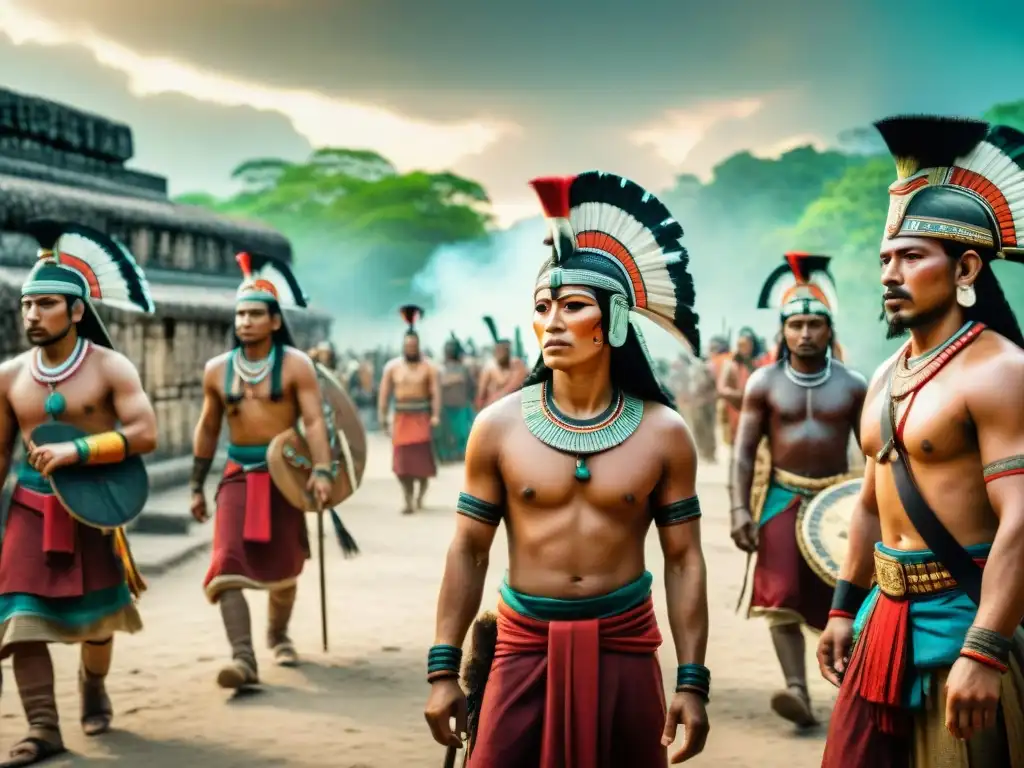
(823, 525)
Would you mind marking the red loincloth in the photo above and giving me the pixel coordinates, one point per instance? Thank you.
(782, 578)
(573, 694)
(72, 567)
(868, 726)
(259, 540)
(412, 446)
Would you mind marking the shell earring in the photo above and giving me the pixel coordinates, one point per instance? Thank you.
(966, 296)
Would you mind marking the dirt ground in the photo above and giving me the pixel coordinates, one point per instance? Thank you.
(360, 704)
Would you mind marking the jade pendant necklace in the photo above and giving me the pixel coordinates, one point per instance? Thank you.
(580, 437)
(56, 403)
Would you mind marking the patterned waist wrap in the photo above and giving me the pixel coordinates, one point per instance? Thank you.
(913, 622)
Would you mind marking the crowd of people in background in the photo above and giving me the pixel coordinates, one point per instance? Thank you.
(708, 391)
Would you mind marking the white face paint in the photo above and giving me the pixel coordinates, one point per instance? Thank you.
(545, 293)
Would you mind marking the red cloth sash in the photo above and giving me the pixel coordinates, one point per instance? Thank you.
(573, 648)
(411, 428)
(58, 525)
(257, 502)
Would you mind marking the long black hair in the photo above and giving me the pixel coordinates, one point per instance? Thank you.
(991, 306)
(630, 368)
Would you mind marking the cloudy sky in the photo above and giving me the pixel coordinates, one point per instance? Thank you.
(503, 91)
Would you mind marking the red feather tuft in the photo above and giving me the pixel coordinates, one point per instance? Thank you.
(553, 192)
(244, 263)
(796, 263)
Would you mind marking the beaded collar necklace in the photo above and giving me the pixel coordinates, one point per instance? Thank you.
(910, 374)
(580, 437)
(47, 376)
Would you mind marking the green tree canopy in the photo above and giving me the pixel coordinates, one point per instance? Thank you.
(360, 229)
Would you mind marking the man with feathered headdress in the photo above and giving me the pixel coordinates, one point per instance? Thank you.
(65, 575)
(796, 419)
(264, 385)
(456, 403)
(935, 677)
(504, 373)
(579, 463)
(414, 384)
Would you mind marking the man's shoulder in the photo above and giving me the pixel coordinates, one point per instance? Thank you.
(13, 366)
(111, 357)
(218, 362)
(994, 363)
(854, 377)
(762, 378)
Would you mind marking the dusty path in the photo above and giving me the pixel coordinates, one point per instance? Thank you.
(360, 705)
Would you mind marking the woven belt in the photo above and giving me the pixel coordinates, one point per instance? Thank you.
(897, 579)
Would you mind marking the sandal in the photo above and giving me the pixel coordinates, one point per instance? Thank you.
(32, 750)
(238, 674)
(97, 711)
(285, 654)
(794, 705)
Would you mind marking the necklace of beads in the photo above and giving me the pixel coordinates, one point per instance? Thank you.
(252, 372)
(580, 437)
(907, 378)
(809, 380)
(48, 376)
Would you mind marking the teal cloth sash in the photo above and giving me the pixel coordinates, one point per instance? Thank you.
(32, 480)
(67, 612)
(599, 607)
(938, 624)
(777, 500)
(248, 456)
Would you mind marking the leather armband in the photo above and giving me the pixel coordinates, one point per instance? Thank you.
(200, 469)
(847, 599)
(1012, 465)
(694, 678)
(478, 509)
(443, 662)
(104, 448)
(988, 648)
(682, 511)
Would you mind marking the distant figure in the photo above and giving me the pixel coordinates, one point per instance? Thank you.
(456, 404)
(414, 384)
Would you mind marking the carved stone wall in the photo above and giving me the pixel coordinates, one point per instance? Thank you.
(58, 162)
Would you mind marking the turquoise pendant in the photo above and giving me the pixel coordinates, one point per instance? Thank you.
(55, 405)
(582, 473)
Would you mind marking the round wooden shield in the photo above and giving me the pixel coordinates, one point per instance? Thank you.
(823, 525)
(288, 458)
(104, 496)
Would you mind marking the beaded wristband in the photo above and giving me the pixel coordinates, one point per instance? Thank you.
(987, 647)
(443, 662)
(836, 613)
(694, 678)
(322, 471)
(848, 598)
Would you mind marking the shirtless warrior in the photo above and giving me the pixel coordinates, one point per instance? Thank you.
(578, 464)
(415, 385)
(62, 581)
(456, 403)
(263, 386)
(806, 404)
(504, 373)
(935, 675)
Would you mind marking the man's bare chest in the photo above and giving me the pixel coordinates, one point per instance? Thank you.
(410, 377)
(831, 403)
(79, 399)
(541, 477)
